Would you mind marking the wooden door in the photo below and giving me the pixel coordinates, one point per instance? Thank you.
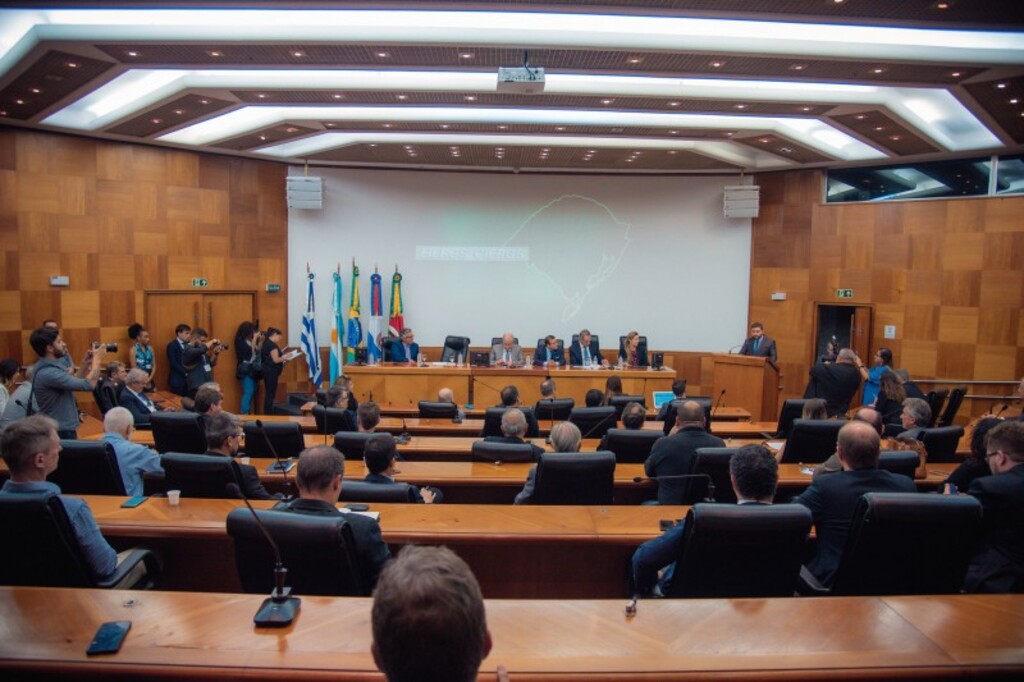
(860, 333)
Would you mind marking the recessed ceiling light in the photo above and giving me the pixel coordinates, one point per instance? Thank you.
(861, 117)
(215, 53)
(385, 125)
(559, 128)
(955, 74)
(1001, 86)
(591, 151)
(879, 128)
(674, 104)
(785, 150)
(629, 160)
(673, 132)
(156, 120)
(798, 67)
(337, 95)
(35, 91)
(806, 108)
(383, 55)
(503, 127)
(3, 112)
(894, 137)
(878, 69)
(298, 53)
(328, 125)
(263, 137)
(204, 101)
(607, 101)
(446, 126)
(1014, 101)
(465, 55)
(19, 101)
(262, 95)
(672, 151)
(716, 65)
(132, 53)
(291, 129)
(72, 65)
(179, 112)
(402, 96)
(470, 98)
(764, 140)
(634, 60)
(942, 4)
(741, 106)
(373, 144)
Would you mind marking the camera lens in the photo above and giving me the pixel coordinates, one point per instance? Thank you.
(224, 346)
(111, 347)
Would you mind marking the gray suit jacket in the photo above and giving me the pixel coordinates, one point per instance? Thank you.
(498, 353)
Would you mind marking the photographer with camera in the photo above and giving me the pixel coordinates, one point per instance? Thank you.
(53, 388)
(199, 358)
(274, 358)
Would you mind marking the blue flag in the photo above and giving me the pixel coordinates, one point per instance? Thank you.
(308, 337)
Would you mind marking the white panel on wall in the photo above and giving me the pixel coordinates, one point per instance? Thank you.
(484, 253)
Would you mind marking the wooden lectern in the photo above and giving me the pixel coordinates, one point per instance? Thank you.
(749, 382)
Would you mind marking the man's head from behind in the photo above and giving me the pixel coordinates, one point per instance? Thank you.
(754, 472)
(1005, 446)
(223, 433)
(379, 454)
(208, 401)
(870, 416)
(593, 398)
(445, 395)
(566, 437)
(428, 618)
(118, 420)
(368, 416)
(547, 388)
(633, 416)
(319, 473)
(513, 423)
(30, 447)
(509, 396)
(858, 446)
(690, 413)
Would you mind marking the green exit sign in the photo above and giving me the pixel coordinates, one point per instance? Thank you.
(844, 293)
(200, 282)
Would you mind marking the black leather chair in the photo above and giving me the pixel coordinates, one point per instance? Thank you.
(434, 409)
(593, 422)
(935, 400)
(715, 463)
(286, 438)
(741, 551)
(670, 414)
(387, 352)
(337, 419)
(811, 441)
(455, 346)
(495, 340)
(502, 452)
(88, 467)
(204, 476)
(941, 442)
(574, 478)
(286, 410)
(956, 399)
(792, 408)
(351, 443)
(43, 550)
(361, 491)
(619, 402)
(556, 409)
(178, 432)
(904, 543)
(105, 395)
(318, 551)
(492, 422)
(899, 462)
(629, 445)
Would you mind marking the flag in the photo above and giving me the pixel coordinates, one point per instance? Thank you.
(397, 321)
(337, 360)
(355, 329)
(308, 338)
(375, 329)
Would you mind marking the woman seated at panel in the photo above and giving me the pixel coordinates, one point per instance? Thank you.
(631, 354)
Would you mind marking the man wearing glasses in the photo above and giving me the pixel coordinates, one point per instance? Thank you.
(223, 439)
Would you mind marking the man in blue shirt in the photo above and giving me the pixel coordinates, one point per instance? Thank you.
(133, 459)
(53, 387)
(31, 449)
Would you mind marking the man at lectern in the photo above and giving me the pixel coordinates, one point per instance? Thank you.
(759, 344)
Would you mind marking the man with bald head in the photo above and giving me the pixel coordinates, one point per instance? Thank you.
(565, 437)
(673, 455)
(507, 353)
(514, 426)
(836, 382)
(868, 415)
(833, 499)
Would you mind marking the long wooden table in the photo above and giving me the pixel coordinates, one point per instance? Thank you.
(211, 637)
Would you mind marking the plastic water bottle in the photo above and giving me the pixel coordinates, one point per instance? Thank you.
(458, 360)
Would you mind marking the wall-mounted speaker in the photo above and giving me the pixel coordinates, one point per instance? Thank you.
(305, 192)
(742, 201)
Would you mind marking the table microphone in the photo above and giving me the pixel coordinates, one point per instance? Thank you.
(279, 609)
(281, 466)
(709, 496)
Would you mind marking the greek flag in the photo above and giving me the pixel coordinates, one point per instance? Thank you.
(337, 360)
(308, 337)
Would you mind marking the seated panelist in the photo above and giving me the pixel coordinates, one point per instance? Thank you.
(549, 352)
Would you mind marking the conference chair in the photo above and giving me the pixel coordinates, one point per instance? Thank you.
(594, 338)
(792, 408)
(286, 439)
(574, 478)
(956, 399)
(640, 349)
(904, 543)
(105, 395)
(732, 551)
(351, 443)
(561, 346)
(629, 445)
(715, 463)
(670, 414)
(619, 402)
(362, 491)
(495, 340)
(44, 551)
(88, 467)
(455, 346)
(337, 419)
(204, 476)
(178, 432)
(492, 422)
(941, 443)
(811, 441)
(434, 409)
(492, 451)
(593, 422)
(899, 461)
(556, 409)
(935, 400)
(386, 352)
(318, 551)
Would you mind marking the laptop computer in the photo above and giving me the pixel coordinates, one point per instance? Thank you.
(662, 397)
(480, 358)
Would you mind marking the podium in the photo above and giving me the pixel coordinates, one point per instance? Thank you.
(750, 382)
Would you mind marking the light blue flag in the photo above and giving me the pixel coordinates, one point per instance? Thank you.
(308, 338)
(337, 326)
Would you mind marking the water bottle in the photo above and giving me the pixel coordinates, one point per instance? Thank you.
(458, 360)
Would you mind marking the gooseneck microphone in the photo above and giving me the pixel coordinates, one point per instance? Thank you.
(718, 403)
(708, 497)
(279, 464)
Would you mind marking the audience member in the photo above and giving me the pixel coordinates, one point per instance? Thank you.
(912, 390)
(379, 456)
(974, 465)
(673, 455)
(15, 408)
(368, 417)
(110, 385)
(337, 399)
(177, 378)
(53, 387)
(678, 393)
(248, 347)
(223, 438)
(633, 416)
(10, 369)
(612, 388)
(513, 430)
(134, 399)
(868, 415)
(814, 408)
(565, 437)
(445, 395)
(915, 417)
(133, 459)
(891, 394)
(593, 398)
(881, 363)
(510, 398)
(836, 382)
(141, 354)
(209, 401)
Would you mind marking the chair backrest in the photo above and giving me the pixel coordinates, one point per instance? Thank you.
(575, 478)
(286, 438)
(941, 443)
(540, 342)
(715, 463)
(733, 551)
(643, 342)
(956, 398)
(434, 409)
(105, 395)
(935, 400)
(88, 467)
(351, 443)
(908, 543)
(792, 408)
(43, 550)
(362, 491)
(386, 349)
(178, 432)
(318, 551)
(492, 451)
(812, 441)
(619, 402)
(670, 414)
(495, 340)
(200, 475)
(554, 408)
(594, 338)
(899, 461)
(453, 346)
(337, 419)
(630, 445)
(593, 422)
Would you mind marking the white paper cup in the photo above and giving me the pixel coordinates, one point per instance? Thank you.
(243, 460)
(174, 497)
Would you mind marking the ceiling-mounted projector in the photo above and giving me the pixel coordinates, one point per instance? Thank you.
(521, 80)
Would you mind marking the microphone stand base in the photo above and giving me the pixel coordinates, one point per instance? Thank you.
(277, 612)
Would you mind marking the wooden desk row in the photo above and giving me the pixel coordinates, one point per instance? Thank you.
(211, 637)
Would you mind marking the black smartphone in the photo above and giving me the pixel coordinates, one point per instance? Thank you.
(357, 506)
(133, 502)
(109, 637)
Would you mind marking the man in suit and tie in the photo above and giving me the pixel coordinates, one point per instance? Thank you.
(223, 437)
(507, 353)
(549, 351)
(177, 380)
(758, 344)
(585, 351)
(406, 350)
(135, 401)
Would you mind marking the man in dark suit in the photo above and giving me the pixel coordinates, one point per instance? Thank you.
(223, 438)
(833, 499)
(379, 455)
(176, 380)
(759, 345)
(513, 429)
(836, 383)
(319, 479)
(549, 351)
(135, 400)
(585, 351)
(997, 564)
(406, 350)
(673, 455)
(510, 398)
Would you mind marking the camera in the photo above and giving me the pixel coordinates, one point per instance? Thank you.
(110, 347)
